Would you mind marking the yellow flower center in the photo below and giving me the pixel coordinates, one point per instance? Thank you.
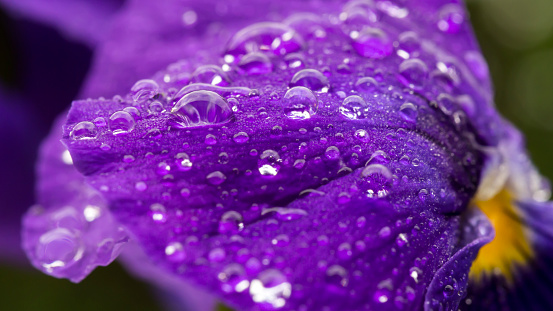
(510, 246)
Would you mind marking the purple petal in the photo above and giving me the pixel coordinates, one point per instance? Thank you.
(71, 230)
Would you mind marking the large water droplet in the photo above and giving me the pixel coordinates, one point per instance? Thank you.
(271, 287)
(408, 112)
(233, 278)
(377, 180)
(353, 107)
(144, 90)
(267, 36)
(371, 42)
(312, 79)
(451, 18)
(84, 130)
(413, 73)
(231, 222)
(58, 248)
(201, 108)
(183, 161)
(256, 63)
(121, 123)
(210, 74)
(216, 178)
(269, 163)
(299, 103)
(175, 252)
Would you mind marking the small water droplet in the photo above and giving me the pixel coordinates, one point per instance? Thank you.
(451, 18)
(269, 163)
(266, 36)
(241, 137)
(408, 112)
(183, 161)
(175, 252)
(231, 222)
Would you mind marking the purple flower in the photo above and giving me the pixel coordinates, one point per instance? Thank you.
(295, 156)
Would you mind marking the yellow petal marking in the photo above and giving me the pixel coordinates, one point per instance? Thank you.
(510, 246)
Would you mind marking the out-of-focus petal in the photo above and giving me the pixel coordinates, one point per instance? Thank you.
(86, 21)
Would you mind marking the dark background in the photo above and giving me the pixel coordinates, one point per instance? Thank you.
(516, 37)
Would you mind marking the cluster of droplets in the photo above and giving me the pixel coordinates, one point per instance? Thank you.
(213, 97)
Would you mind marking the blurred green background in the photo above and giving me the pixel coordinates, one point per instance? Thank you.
(517, 40)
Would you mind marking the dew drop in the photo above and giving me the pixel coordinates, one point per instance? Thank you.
(216, 178)
(408, 112)
(270, 287)
(231, 222)
(210, 74)
(121, 123)
(299, 103)
(451, 18)
(183, 161)
(256, 63)
(158, 213)
(175, 252)
(413, 73)
(269, 163)
(144, 90)
(332, 153)
(241, 137)
(311, 79)
(353, 107)
(266, 36)
(201, 108)
(58, 248)
(371, 43)
(83, 130)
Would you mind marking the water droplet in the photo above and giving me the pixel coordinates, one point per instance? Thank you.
(366, 85)
(408, 112)
(451, 18)
(361, 135)
(140, 186)
(100, 122)
(353, 107)
(158, 213)
(336, 277)
(144, 90)
(269, 163)
(344, 251)
(121, 123)
(83, 130)
(409, 42)
(271, 287)
(413, 73)
(294, 60)
(233, 279)
(241, 137)
(281, 240)
(311, 79)
(217, 255)
(299, 103)
(210, 74)
(371, 43)
(201, 108)
(231, 222)
(267, 36)
(256, 64)
(332, 153)
(377, 179)
(183, 161)
(58, 248)
(175, 252)
(216, 178)
(379, 157)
